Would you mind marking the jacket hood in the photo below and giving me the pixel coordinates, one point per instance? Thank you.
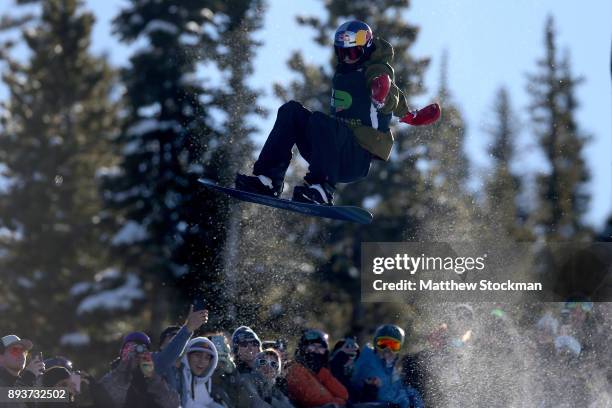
(196, 390)
(209, 348)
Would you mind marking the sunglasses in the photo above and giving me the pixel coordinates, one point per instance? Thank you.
(264, 361)
(391, 344)
(253, 343)
(585, 306)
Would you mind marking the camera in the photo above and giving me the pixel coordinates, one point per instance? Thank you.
(139, 349)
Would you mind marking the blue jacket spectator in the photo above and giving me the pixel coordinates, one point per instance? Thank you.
(172, 344)
(165, 360)
(375, 376)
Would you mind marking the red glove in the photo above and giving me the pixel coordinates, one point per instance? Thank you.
(425, 116)
(380, 89)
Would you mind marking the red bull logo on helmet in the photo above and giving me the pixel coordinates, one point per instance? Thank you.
(351, 39)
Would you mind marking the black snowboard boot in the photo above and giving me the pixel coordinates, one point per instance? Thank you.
(322, 194)
(258, 185)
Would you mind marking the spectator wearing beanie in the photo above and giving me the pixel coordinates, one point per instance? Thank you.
(133, 381)
(59, 377)
(245, 346)
(86, 391)
(309, 381)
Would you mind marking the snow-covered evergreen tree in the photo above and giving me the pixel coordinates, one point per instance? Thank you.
(53, 142)
(163, 224)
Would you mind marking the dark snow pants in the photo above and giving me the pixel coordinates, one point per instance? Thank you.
(329, 147)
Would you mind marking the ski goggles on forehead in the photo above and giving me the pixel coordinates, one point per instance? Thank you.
(585, 306)
(388, 343)
(264, 362)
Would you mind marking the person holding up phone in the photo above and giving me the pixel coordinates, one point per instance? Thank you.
(173, 340)
(342, 360)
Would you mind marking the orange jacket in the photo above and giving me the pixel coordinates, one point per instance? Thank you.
(307, 389)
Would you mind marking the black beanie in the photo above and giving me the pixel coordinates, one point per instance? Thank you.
(54, 375)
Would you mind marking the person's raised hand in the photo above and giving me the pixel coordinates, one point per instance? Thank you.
(196, 319)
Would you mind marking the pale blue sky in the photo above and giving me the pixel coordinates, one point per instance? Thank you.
(490, 43)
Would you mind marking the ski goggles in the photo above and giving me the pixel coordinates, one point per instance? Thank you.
(388, 343)
(351, 53)
(262, 362)
(585, 306)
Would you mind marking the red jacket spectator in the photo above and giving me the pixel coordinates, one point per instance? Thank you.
(307, 389)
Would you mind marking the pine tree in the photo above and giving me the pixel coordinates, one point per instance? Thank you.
(53, 142)
(234, 54)
(503, 186)
(168, 230)
(562, 190)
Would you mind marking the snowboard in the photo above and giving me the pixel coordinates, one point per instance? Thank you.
(336, 212)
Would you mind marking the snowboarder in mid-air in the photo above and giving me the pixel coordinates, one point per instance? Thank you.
(338, 147)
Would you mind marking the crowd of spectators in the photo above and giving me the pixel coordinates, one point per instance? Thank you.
(190, 370)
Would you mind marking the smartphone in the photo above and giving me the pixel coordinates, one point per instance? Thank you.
(75, 379)
(219, 342)
(39, 357)
(199, 304)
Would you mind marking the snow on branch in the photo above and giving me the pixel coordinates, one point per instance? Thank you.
(120, 298)
(150, 125)
(131, 232)
(160, 25)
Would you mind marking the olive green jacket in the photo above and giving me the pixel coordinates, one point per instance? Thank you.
(376, 142)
